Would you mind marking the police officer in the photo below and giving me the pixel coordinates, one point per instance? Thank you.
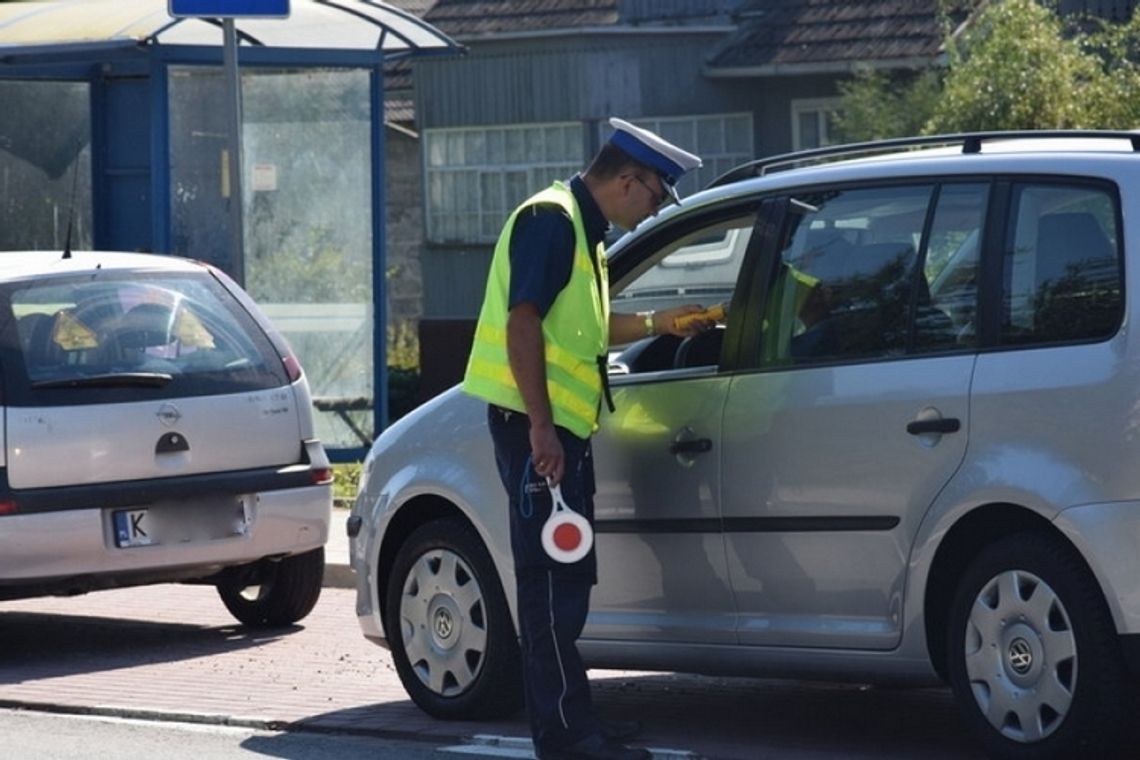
(539, 360)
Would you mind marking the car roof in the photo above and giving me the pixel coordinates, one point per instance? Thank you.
(1080, 153)
(28, 265)
(963, 145)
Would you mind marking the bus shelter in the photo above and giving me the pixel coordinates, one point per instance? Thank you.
(113, 129)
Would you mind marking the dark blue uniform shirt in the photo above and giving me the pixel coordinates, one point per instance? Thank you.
(542, 248)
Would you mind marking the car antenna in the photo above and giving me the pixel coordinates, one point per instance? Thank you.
(71, 204)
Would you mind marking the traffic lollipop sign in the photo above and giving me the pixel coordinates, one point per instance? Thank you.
(566, 536)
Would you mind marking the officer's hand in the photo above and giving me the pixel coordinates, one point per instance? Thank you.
(546, 455)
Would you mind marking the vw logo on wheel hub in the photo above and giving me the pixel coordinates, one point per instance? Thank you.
(1020, 656)
(444, 625)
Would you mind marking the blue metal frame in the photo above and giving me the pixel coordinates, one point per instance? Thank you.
(90, 62)
(379, 260)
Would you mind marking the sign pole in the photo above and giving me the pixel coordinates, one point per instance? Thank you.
(234, 155)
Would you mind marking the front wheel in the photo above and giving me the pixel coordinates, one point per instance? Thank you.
(451, 634)
(270, 594)
(1034, 661)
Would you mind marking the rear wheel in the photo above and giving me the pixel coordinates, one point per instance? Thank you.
(1033, 657)
(449, 627)
(274, 593)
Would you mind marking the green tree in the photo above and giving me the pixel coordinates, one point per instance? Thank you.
(1018, 66)
(877, 105)
(1114, 95)
(1015, 70)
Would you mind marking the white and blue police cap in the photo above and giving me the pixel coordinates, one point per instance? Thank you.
(665, 158)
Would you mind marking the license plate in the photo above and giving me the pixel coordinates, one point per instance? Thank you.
(179, 523)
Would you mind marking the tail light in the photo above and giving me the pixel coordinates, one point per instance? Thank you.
(321, 475)
(292, 367)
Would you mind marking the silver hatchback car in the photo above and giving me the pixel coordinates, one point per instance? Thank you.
(910, 454)
(156, 428)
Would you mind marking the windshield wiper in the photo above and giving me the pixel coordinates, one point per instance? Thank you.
(110, 380)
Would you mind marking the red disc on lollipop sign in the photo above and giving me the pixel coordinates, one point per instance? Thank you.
(566, 536)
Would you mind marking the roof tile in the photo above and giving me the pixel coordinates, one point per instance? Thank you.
(475, 17)
(780, 32)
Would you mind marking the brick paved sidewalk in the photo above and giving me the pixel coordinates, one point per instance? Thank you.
(174, 651)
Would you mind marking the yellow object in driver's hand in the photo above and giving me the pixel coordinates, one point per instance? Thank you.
(713, 313)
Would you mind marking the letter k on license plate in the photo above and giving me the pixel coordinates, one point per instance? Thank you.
(132, 529)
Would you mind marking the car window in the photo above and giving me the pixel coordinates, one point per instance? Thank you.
(950, 269)
(1062, 279)
(857, 279)
(698, 266)
(183, 331)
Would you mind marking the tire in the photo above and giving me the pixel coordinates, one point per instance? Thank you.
(449, 627)
(1034, 661)
(271, 594)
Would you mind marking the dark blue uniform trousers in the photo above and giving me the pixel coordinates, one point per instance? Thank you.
(553, 598)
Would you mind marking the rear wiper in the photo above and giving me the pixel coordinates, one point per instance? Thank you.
(110, 380)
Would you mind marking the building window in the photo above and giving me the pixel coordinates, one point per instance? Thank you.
(723, 141)
(813, 122)
(476, 176)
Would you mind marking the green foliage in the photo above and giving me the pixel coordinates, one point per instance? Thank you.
(877, 105)
(1114, 96)
(1016, 70)
(346, 479)
(403, 345)
(1018, 66)
(296, 263)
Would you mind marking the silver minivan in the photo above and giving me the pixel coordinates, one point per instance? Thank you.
(156, 428)
(910, 454)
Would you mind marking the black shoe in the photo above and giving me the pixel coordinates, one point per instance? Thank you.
(594, 748)
(619, 730)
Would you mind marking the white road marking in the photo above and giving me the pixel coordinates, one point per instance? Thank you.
(490, 745)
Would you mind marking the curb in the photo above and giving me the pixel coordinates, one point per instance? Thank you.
(517, 746)
(339, 576)
(213, 719)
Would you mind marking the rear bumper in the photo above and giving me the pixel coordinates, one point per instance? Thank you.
(57, 551)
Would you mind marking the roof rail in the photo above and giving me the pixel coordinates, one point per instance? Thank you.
(971, 142)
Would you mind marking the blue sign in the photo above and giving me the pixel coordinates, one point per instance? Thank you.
(229, 8)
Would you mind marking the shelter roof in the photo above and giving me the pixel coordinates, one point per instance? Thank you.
(313, 24)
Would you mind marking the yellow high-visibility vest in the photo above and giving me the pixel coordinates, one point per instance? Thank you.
(575, 330)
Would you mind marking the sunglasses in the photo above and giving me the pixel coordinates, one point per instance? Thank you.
(659, 199)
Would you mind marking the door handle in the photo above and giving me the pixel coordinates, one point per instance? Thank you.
(940, 425)
(691, 446)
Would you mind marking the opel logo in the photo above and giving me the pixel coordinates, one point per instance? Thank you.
(168, 415)
(443, 624)
(1020, 656)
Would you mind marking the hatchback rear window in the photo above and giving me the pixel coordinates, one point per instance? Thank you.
(178, 334)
